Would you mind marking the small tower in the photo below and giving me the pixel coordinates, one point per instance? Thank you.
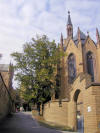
(69, 27)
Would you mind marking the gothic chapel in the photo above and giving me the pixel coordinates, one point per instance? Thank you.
(79, 104)
(82, 57)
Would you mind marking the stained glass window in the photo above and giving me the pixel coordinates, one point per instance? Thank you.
(71, 68)
(90, 68)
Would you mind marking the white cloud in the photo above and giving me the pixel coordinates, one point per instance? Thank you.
(20, 20)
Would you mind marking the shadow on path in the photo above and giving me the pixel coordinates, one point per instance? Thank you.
(23, 123)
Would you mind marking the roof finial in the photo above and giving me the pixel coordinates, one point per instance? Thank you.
(68, 12)
(88, 33)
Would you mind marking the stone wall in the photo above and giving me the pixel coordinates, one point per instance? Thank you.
(5, 99)
(66, 113)
(56, 112)
(92, 110)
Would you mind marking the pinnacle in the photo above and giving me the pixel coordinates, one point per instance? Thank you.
(69, 19)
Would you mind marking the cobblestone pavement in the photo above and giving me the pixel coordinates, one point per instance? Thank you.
(24, 123)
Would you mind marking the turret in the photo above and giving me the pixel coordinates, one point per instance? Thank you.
(69, 27)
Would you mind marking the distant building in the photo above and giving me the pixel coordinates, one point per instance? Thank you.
(6, 90)
(7, 72)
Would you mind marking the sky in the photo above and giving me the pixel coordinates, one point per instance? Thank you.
(20, 20)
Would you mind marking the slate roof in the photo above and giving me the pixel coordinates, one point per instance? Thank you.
(82, 36)
(4, 67)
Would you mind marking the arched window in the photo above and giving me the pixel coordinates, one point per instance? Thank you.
(90, 67)
(71, 68)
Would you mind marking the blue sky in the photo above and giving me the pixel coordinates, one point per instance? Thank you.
(20, 20)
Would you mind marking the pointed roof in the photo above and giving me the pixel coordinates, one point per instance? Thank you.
(82, 37)
(69, 19)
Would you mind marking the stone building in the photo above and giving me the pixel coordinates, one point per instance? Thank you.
(79, 104)
(6, 90)
(7, 72)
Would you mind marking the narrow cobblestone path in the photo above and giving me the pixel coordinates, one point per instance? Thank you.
(24, 123)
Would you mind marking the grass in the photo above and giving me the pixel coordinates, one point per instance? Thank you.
(44, 123)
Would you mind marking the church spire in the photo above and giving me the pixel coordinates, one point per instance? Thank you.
(69, 27)
(69, 19)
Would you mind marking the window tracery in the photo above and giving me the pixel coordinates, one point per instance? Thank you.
(71, 68)
(90, 67)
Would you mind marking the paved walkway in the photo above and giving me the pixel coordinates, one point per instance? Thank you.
(24, 123)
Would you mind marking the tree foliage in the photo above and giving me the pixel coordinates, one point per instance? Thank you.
(36, 68)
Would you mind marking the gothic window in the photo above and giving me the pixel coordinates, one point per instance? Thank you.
(90, 62)
(71, 68)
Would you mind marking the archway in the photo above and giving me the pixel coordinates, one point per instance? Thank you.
(79, 111)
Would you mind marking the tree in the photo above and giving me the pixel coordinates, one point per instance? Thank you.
(36, 69)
